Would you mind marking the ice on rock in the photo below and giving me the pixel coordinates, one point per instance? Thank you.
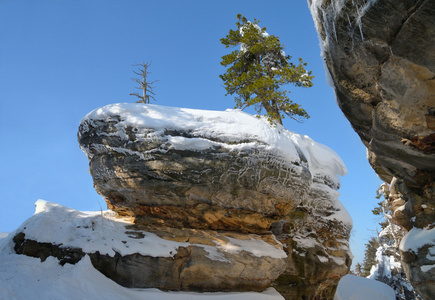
(329, 14)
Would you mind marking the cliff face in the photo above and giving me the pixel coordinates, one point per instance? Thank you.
(199, 175)
(380, 56)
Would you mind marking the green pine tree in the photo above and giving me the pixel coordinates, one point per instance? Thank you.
(259, 69)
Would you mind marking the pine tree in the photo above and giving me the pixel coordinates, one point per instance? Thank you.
(259, 69)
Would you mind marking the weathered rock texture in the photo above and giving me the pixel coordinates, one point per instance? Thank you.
(163, 176)
(381, 58)
(200, 263)
(215, 189)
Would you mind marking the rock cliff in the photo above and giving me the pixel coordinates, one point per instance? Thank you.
(380, 56)
(211, 177)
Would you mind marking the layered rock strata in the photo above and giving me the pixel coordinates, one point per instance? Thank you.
(193, 170)
(380, 56)
(152, 257)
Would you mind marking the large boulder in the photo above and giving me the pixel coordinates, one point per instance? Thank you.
(380, 56)
(208, 170)
(191, 175)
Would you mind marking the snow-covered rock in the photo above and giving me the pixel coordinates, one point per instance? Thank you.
(211, 170)
(164, 258)
(192, 161)
(417, 249)
(24, 277)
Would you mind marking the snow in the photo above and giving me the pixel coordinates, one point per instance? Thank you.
(257, 247)
(264, 34)
(23, 277)
(101, 231)
(431, 253)
(352, 287)
(427, 268)
(305, 242)
(54, 223)
(386, 263)
(417, 238)
(256, 26)
(338, 212)
(322, 258)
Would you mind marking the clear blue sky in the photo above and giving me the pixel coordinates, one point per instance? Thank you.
(61, 59)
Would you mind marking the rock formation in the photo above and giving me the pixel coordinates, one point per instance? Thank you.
(190, 175)
(380, 56)
(153, 257)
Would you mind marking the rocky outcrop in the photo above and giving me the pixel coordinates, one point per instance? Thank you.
(187, 171)
(213, 189)
(189, 259)
(380, 55)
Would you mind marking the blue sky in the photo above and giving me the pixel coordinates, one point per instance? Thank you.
(61, 59)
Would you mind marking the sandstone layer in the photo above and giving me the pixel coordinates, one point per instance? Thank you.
(380, 56)
(225, 171)
(150, 257)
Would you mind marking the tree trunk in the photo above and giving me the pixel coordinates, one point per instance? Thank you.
(272, 110)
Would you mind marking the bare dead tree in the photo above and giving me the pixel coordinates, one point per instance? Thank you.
(144, 85)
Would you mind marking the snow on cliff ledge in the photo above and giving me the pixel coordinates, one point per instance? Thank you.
(226, 127)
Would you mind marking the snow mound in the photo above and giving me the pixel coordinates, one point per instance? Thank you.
(352, 287)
